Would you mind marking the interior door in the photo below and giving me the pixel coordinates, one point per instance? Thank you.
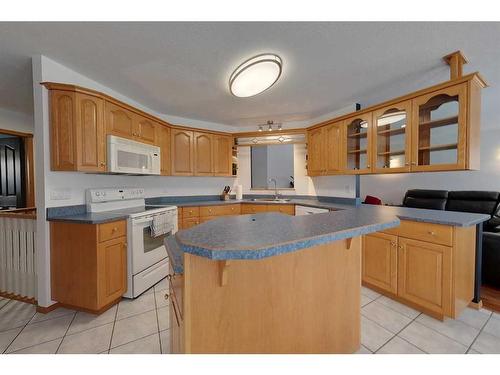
(11, 172)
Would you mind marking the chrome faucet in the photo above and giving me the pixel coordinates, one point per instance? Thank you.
(276, 194)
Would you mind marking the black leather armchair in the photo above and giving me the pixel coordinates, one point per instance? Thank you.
(422, 198)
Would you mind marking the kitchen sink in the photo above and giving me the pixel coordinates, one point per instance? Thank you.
(277, 200)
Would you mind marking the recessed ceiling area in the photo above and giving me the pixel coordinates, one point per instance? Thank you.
(182, 69)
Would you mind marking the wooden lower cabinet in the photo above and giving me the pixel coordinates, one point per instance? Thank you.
(190, 222)
(420, 271)
(248, 208)
(288, 209)
(88, 264)
(380, 261)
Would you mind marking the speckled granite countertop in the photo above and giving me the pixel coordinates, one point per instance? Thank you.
(268, 234)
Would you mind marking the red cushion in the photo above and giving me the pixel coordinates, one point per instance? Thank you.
(372, 200)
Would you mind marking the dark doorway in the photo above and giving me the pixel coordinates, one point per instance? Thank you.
(12, 172)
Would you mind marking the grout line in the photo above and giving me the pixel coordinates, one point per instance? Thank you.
(157, 319)
(479, 333)
(137, 339)
(113, 330)
(8, 301)
(395, 334)
(67, 329)
(22, 329)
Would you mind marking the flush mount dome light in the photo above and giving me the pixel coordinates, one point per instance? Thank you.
(255, 75)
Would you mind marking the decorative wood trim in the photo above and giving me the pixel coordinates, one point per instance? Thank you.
(455, 60)
(274, 132)
(16, 133)
(224, 266)
(46, 310)
(29, 171)
(16, 297)
(20, 213)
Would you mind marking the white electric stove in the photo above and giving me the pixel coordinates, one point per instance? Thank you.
(147, 259)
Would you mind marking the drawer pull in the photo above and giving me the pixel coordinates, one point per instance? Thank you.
(432, 233)
(114, 230)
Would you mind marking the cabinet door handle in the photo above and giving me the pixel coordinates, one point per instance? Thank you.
(432, 233)
(368, 166)
(103, 164)
(400, 247)
(413, 163)
(407, 163)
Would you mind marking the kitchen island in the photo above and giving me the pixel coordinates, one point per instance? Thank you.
(270, 283)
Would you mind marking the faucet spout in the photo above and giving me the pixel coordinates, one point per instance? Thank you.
(276, 194)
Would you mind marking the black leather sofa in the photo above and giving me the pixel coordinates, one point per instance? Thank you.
(484, 202)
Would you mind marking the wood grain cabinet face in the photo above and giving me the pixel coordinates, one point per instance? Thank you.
(392, 138)
(63, 130)
(358, 143)
(203, 154)
(222, 155)
(145, 130)
(424, 274)
(439, 131)
(165, 150)
(119, 121)
(91, 133)
(380, 261)
(333, 152)
(315, 152)
(112, 270)
(182, 152)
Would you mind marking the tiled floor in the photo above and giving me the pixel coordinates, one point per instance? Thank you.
(142, 326)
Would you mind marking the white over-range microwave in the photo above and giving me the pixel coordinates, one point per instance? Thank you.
(131, 157)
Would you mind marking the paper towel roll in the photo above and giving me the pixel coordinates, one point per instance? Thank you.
(239, 191)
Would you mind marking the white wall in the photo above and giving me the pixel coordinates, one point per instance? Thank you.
(17, 121)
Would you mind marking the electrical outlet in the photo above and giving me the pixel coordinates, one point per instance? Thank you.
(60, 194)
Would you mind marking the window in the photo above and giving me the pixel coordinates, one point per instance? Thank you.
(272, 162)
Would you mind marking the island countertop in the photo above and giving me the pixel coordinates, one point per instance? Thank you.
(268, 234)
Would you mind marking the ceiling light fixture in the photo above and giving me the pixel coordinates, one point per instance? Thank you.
(255, 75)
(260, 128)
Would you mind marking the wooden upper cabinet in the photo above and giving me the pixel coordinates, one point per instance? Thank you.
(145, 130)
(78, 138)
(165, 150)
(222, 155)
(380, 261)
(333, 153)
(315, 152)
(119, 121)
(439, 132)
(203, 154)
(63, 130)
(91, 133)
(358, 143)
(182, 152)
(391, 150)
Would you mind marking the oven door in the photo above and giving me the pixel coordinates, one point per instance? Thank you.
(146, 250)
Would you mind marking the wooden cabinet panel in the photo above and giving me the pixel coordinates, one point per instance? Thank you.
(230, 209)
(165, 150)
(112, 270)
(190, 222)
(203, 154)
(63, 131)
(424, 275)
(435, 233)
(182, 152)
(220, 210)
(253, 208)
(333, 153)
(145, 130)
(288, 209)
(119, 121)
(204, 219)
(112, 230)
(91, 133)
(222, 155)
(188, 212)
(380, 261)
(315, 152)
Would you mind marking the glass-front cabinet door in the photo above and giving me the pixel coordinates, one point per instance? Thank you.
(438, 139)
(391, 132)
(358, 143)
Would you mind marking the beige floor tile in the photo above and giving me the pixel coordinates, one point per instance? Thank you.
(474, 318)
(386, 317)
(493, 327)
(134, 328)
(150, 290)
(363, 350)
(146, 345)
(472, 351)
(49, 347)
(84, 321)
(431, 341)
(399, 307)
(399, 346)
(38, 333)
(3, 302)
(16, 314)
(487, 344)
(92, 341)
(454, 329)
(161, 285)
(164, 318)
(129, 307)
(7, 337)
(51, 315)
(369, 293)
(365, 300)
(165, 341)
(160, 299)
(373, 336)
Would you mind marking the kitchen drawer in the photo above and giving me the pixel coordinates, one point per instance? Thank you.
(288, 209)
(112, 230)
(188, 212)
(204, 219)
(190, 222)
(220, 210)
(231, 209)
(253, 208)
(433, 233)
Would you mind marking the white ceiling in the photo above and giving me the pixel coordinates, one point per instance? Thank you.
(182, 69)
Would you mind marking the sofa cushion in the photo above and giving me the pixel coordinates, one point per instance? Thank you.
(422, 198)
(481, 202)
